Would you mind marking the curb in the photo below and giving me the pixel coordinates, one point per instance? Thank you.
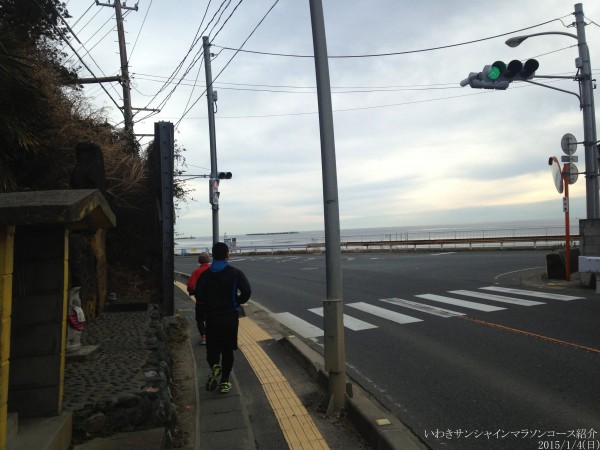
(376, 424)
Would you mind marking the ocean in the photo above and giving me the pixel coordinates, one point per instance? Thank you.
(299, 239)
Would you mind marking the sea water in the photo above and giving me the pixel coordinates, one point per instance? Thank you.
(299, 239)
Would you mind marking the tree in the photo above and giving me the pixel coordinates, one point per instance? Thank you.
(21, 106)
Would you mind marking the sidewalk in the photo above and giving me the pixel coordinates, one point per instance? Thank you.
(278, 400)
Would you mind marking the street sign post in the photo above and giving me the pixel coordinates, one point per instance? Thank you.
(562, 179)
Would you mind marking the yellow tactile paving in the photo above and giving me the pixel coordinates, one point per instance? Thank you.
(298, 428)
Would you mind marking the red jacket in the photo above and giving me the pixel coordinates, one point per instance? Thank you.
(191, 284)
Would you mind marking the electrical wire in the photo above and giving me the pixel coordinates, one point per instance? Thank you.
(195, 60)
(483, 92)
(61, 34)
(221, 15)
(231, 59)
(171, 77)
(227, 20)
(313, 89)
(139, 32)
(591, 21)
(373, 55)
(119, 95)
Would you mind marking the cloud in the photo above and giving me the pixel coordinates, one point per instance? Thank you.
(411, 145)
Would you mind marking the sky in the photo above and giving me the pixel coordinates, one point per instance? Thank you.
(412, 146)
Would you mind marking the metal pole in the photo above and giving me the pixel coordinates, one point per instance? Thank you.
(589, 119)
(332, 307)
(566, 177)
(213, 181)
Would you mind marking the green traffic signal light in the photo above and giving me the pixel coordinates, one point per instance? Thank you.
(496, 71)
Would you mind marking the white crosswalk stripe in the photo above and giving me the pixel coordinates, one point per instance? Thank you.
(441, 312)
(385, 313)
(350, 322)
(461, 303)
(298, 325)
(549, 296)
(497, 298)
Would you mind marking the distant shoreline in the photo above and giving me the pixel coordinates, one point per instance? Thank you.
(269, 234)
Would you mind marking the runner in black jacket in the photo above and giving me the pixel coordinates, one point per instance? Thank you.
(220, 290)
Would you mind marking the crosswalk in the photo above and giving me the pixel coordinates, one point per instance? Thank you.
(487, 298)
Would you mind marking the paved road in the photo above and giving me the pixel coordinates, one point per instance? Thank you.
(465, 365)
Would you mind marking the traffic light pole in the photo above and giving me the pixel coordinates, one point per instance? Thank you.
(333, 322)
(492, 77)
(214, 199)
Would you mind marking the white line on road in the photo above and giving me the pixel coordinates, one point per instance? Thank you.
(298, 325)
(497, 298)
(441, 312)
(349, 322)
(384, 313)
(561, 297)
(514, 271)
(457, 302)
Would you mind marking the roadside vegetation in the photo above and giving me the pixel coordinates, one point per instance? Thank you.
(44, 114)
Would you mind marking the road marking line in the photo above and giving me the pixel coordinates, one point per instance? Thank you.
(514, 271)
(384, 313)
(298, 325)
(497, 298)
(462, 303)
(297, 426)
(422, 307)
(561, 297)
(528, 333)
(349, 322)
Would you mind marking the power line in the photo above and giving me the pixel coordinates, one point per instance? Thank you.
(62, 35)
(591, 21)
(373, 55)
(192, 64)
(227, 20)
(221, 15)
(231, 59)
(363, 108)
(312, 90)
(140, 31)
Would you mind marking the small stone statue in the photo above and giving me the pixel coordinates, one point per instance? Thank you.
(76, 319)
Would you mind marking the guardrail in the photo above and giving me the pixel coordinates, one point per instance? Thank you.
(470, 242)
(501, 242)
(528, 237)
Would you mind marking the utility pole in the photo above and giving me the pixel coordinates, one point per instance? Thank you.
(125, 81)
(333, 306)
(213, 187)
(589, 118)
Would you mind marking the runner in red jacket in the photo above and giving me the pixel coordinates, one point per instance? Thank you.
(204, 261)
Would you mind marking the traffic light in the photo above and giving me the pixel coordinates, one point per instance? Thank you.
(498, 75)
(224, 175)
(213, 191)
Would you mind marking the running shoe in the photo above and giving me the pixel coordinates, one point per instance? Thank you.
(225, 387)
(211, 383)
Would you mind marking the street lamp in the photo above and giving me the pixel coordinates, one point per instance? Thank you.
(587, 106)
(515, 41)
